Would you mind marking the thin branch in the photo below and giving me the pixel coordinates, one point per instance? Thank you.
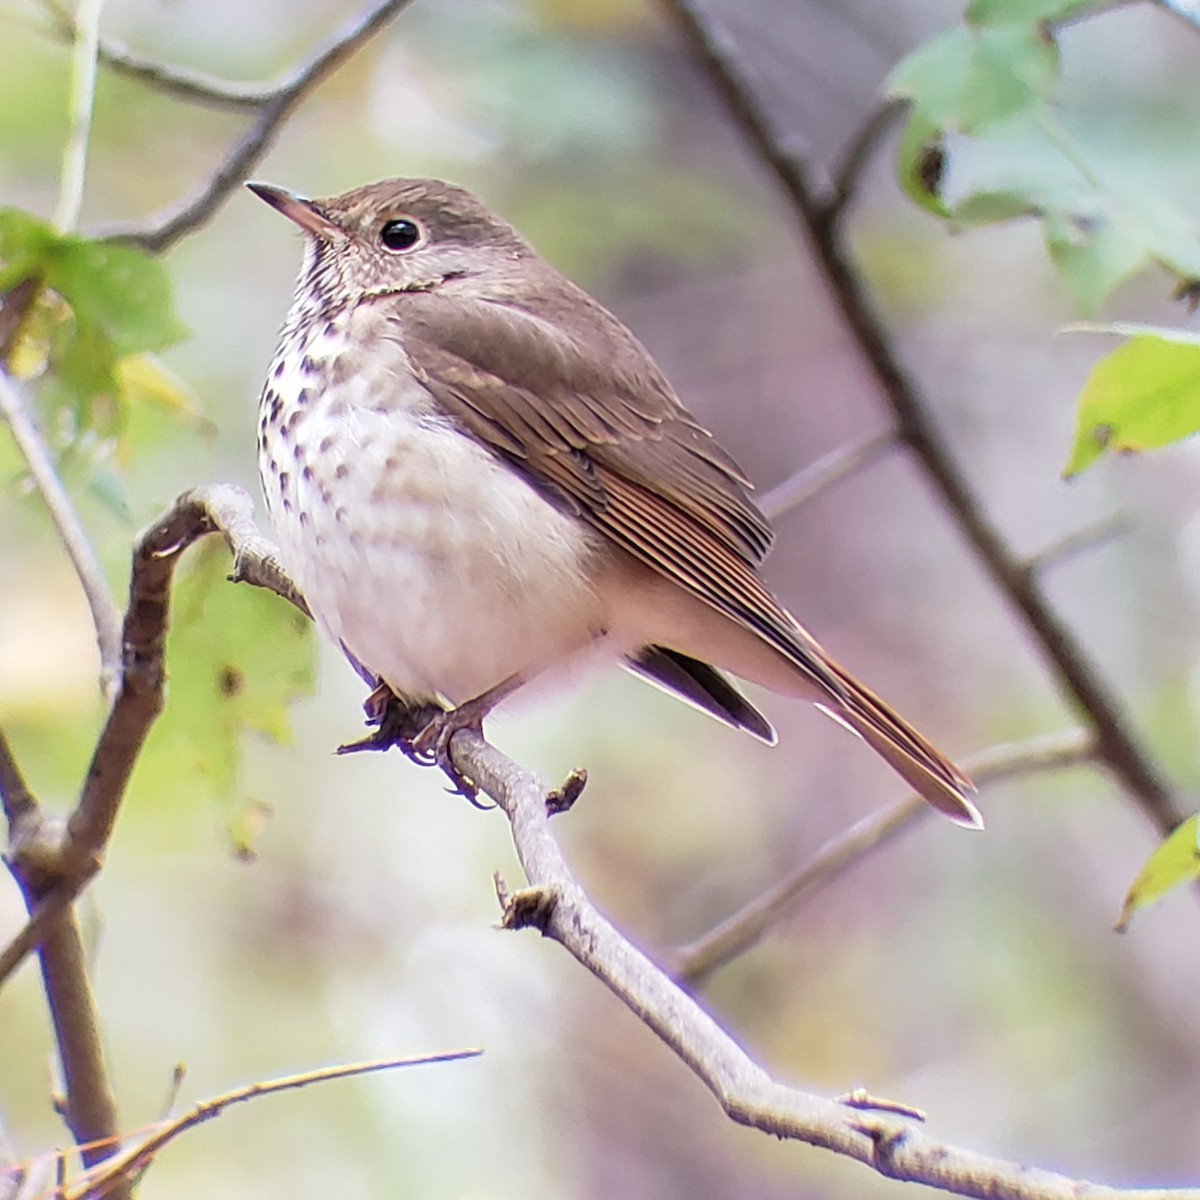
(694, 963)
(1119, 747)
(222, 508)
(848, 172)
(15, 410)
(83, 96)
(15, 797)
(1080, 541)
(181, 82)
(44, 913)
(814, 477)
(557, 905)
(88, 1105)
(131, 1162)
(67, 859)
(164, 230)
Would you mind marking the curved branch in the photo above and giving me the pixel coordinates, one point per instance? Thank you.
(25, 433)
(556, 904)
(1077, 675)
(181, 82)
(695, 962)
(164, 230)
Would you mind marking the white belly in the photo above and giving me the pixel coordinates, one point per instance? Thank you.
(436, 566)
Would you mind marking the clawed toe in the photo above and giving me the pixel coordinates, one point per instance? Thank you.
(431, 747)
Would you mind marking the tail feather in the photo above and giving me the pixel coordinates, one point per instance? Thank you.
(928, 772)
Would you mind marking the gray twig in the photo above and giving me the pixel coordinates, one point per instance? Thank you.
(814, 477)
(557, 905)
(162, 231)
(181, 82)
(694, 963)
(30, 443)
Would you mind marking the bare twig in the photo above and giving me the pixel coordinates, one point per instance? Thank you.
(181, 82)
(816, 476)
(15, 410)
(220, 508)
(164, 230)
(127, 1165)
(694, 963)
(83, 95)
(1077, 675)
(15, 797)
(557, 905)
(858, 153)
(1080, 541)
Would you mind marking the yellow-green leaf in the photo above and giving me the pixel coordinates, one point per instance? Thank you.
(1144, 395)
(1176, 861)
(237, 656)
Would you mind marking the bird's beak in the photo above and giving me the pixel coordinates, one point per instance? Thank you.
(302, 211)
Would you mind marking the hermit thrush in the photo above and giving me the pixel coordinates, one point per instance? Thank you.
(478, 475)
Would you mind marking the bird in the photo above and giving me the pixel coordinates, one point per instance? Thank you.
(479, 478)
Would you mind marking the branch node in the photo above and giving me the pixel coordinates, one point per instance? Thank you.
(528, 907)
(563, 797)
(862, 1099)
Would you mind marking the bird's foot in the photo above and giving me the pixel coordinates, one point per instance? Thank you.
(397, 722)
(432, 745)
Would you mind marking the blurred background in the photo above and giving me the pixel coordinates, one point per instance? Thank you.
(976, 977)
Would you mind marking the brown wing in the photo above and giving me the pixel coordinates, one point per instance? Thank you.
(599, 427)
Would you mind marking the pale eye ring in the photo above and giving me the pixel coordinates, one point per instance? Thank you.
(399, 234)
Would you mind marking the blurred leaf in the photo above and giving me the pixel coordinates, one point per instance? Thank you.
(984, 89)
(117, 303)
(143, 379)
(25, 244)
(992, 208)
(991, 12)
(1176, 861)
(969, 78)
(920, 159)
(123, 293)
(1093, 254)
(1143, 395)
(247, 826)
(236, 658)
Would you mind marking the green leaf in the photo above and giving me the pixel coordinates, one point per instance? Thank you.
(920, 157)
(995, 12)
(1143, 395)
(25, 242)
(237, 657)
(971, 78)
(122, 292)
(1094, 254)
(1176, 861)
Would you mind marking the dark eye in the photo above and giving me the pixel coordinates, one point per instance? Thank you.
(401, 234)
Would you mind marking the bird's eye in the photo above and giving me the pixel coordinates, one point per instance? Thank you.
(400, 234)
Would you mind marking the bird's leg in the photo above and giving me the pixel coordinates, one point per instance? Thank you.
(432, 744)
(397, 719)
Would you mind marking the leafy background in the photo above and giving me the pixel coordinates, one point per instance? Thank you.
(976, 977)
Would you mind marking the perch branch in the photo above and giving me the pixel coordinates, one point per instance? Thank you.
(556, 904)
(695, 962)
(1118, 746)
(559, 906)
(162, 231)
(33, 449)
